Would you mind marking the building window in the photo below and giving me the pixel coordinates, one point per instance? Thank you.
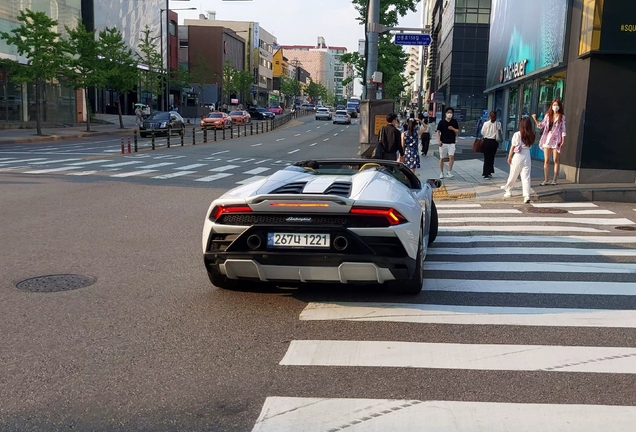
(172, 28)
(591, 26)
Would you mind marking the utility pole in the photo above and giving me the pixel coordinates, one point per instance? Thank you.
(373, 22)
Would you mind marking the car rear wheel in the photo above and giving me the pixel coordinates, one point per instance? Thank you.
(414, 284)
(221, 281)
(433, 228)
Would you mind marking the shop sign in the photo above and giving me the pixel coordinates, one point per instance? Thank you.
(513, 71)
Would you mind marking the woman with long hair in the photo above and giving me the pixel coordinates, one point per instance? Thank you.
(410, 139)
(519, 159)
(490, 131)
(553, 138)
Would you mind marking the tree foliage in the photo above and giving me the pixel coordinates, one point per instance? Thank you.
(243, 80)
(152, 80)
(227, 83)
(35, 40)
(289, 87)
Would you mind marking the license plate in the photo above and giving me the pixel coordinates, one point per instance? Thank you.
(298, 240)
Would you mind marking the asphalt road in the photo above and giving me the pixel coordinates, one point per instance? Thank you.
(153, 346)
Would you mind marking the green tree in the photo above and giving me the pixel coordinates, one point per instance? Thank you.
(357, 61)
(35, 40)
(200, 74)
(152, 80)
(313, 91)
(289, 87)
(119, 64)
(243, 81)
(83, 68)
(228, 84)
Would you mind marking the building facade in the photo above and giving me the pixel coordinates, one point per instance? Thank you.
(582, 52)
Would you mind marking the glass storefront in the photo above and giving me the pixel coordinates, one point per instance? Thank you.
(511, 113)
(550, 88)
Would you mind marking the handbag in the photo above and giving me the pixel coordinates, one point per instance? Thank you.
(378, 152)
(478, 145)
(499, 134)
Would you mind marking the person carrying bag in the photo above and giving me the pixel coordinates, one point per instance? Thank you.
(491, 131)
(390, 141)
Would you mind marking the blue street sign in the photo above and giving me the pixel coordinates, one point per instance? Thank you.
(412, 39)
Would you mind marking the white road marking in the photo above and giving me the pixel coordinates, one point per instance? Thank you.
(82, 173)
(250, 180)
(257, 171)
(317, 127)
(53, 161)
(285, 414)
(157, 165)
(341, 130)
(234, 160)
(444, 206)
(537, 239)
(121, 164)
(591, 212)
(78, 164)
(224, 168)
(533, 251)
(248, 160)
(478, 211)
(564, 205)
(461, 356)
(46, 171)
(133, 173)
(261, 161)
(469, 315)
(213, 177)
(219, 152)
(256, 145)
(312, 144)
(297, 134)
(540, 219)
(112, 151)
(25, 160)
(326, 139)
(5, 159)
(310, 130)
(189, 167)
(280, 139)
(293, 151)
(176, 174)
(525, 267)
(336, 134)
(519, 228)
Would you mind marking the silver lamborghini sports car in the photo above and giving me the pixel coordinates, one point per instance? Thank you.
(332, 220)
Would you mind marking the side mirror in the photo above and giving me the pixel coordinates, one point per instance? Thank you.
(434, 183)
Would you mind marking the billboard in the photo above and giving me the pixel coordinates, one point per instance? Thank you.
(524, 37)
(618, 28)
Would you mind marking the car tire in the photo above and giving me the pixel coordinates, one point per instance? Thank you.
(223, 282)
(415, 283)
(434, 226)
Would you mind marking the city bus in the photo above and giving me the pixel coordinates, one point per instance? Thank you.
(354, 102)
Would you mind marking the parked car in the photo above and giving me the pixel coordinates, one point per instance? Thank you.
(216, 120)
(342, 117)
(329, 220)
(276, 110)
(162, 123)
(308, 107)
(240, 117)
(352, 112)
(259, 113)
(323, 113)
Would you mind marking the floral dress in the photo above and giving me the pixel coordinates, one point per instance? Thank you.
(411, 154)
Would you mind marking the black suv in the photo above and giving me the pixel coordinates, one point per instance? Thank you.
(259, 113)
(352, 112)
(162, 123)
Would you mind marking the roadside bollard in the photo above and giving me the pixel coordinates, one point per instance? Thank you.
(223, 134)
(135, 141)
(182, 135)
(244, 130)
(128, 145)
(231, 132)
(256, 128)
(266, 126)
(168, 138)
(205, 135)
(122, 145)
(194, 139)
(251, 129)
(214, 134)
(153, 139)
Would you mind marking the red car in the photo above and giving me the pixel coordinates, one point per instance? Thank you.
(276, 110)
(216, 120)
(240, 117)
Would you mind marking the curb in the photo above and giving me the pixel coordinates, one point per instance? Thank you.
(61, 137)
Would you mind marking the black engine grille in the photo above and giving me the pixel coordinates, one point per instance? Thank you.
(339, 188)
(351, 221)
(291, 188)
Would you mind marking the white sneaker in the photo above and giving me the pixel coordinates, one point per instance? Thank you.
(502, 187)
(526, 200)
(507, 194)
(441, 175)
(449, 175)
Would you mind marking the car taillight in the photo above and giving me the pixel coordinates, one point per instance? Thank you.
(219, 211)
(393, 216)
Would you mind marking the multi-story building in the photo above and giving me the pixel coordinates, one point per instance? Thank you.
(411, 73)
(259, 51)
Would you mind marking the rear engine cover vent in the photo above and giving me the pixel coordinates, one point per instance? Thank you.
(291, 188)
(341, 188)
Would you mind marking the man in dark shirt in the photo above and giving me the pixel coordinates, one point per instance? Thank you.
(391, 138)
(447, 131)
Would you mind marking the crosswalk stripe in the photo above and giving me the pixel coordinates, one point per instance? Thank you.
(445, 206)
(591, 212)
(530, 287)
(213, 177)
(82, 173)
(78, 164)
(120, 164)
(257, 170)
(224, 168)
(478, 211)
(532, 251)
(564, 205)
(261, 161)
(25, 160)
(286, 414)
(53, 161)
(175, 174)
(6, 159)
(519, 228)
(461, 356)
(157, 165)
(250, 180)
(468, 315)
(540, 219)
(50, 170)
(526, 267)
(134, 173)
(189, 167)
(537, 239)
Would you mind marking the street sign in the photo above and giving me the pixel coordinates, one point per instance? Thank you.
(412, 39)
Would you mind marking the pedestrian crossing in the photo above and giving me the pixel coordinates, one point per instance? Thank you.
(163, 167)
(489, 279)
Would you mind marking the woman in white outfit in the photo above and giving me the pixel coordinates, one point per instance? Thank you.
(519, 159)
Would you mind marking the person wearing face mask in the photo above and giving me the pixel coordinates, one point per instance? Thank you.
(447, 131)
(553, 138)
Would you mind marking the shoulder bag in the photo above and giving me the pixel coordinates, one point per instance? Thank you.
(378, 152)
(478, 145)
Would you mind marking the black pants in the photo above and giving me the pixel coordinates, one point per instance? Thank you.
(490, 149)
(426, 141)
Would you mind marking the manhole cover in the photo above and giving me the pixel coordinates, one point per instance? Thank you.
(55, 283)
(625, 228)
(546, 210)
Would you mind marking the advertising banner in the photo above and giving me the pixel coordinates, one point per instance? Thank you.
(524, 37)
(618, 29)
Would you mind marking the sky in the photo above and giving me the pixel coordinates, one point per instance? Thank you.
(293, 22)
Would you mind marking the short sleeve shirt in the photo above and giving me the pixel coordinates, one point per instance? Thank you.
(447, 136)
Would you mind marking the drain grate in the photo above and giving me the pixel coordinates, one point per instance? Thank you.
(55, 283)
(625, 228)
(549, 210)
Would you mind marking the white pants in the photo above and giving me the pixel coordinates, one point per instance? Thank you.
(521, 163)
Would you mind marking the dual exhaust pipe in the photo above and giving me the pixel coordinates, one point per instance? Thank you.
(340, 243)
